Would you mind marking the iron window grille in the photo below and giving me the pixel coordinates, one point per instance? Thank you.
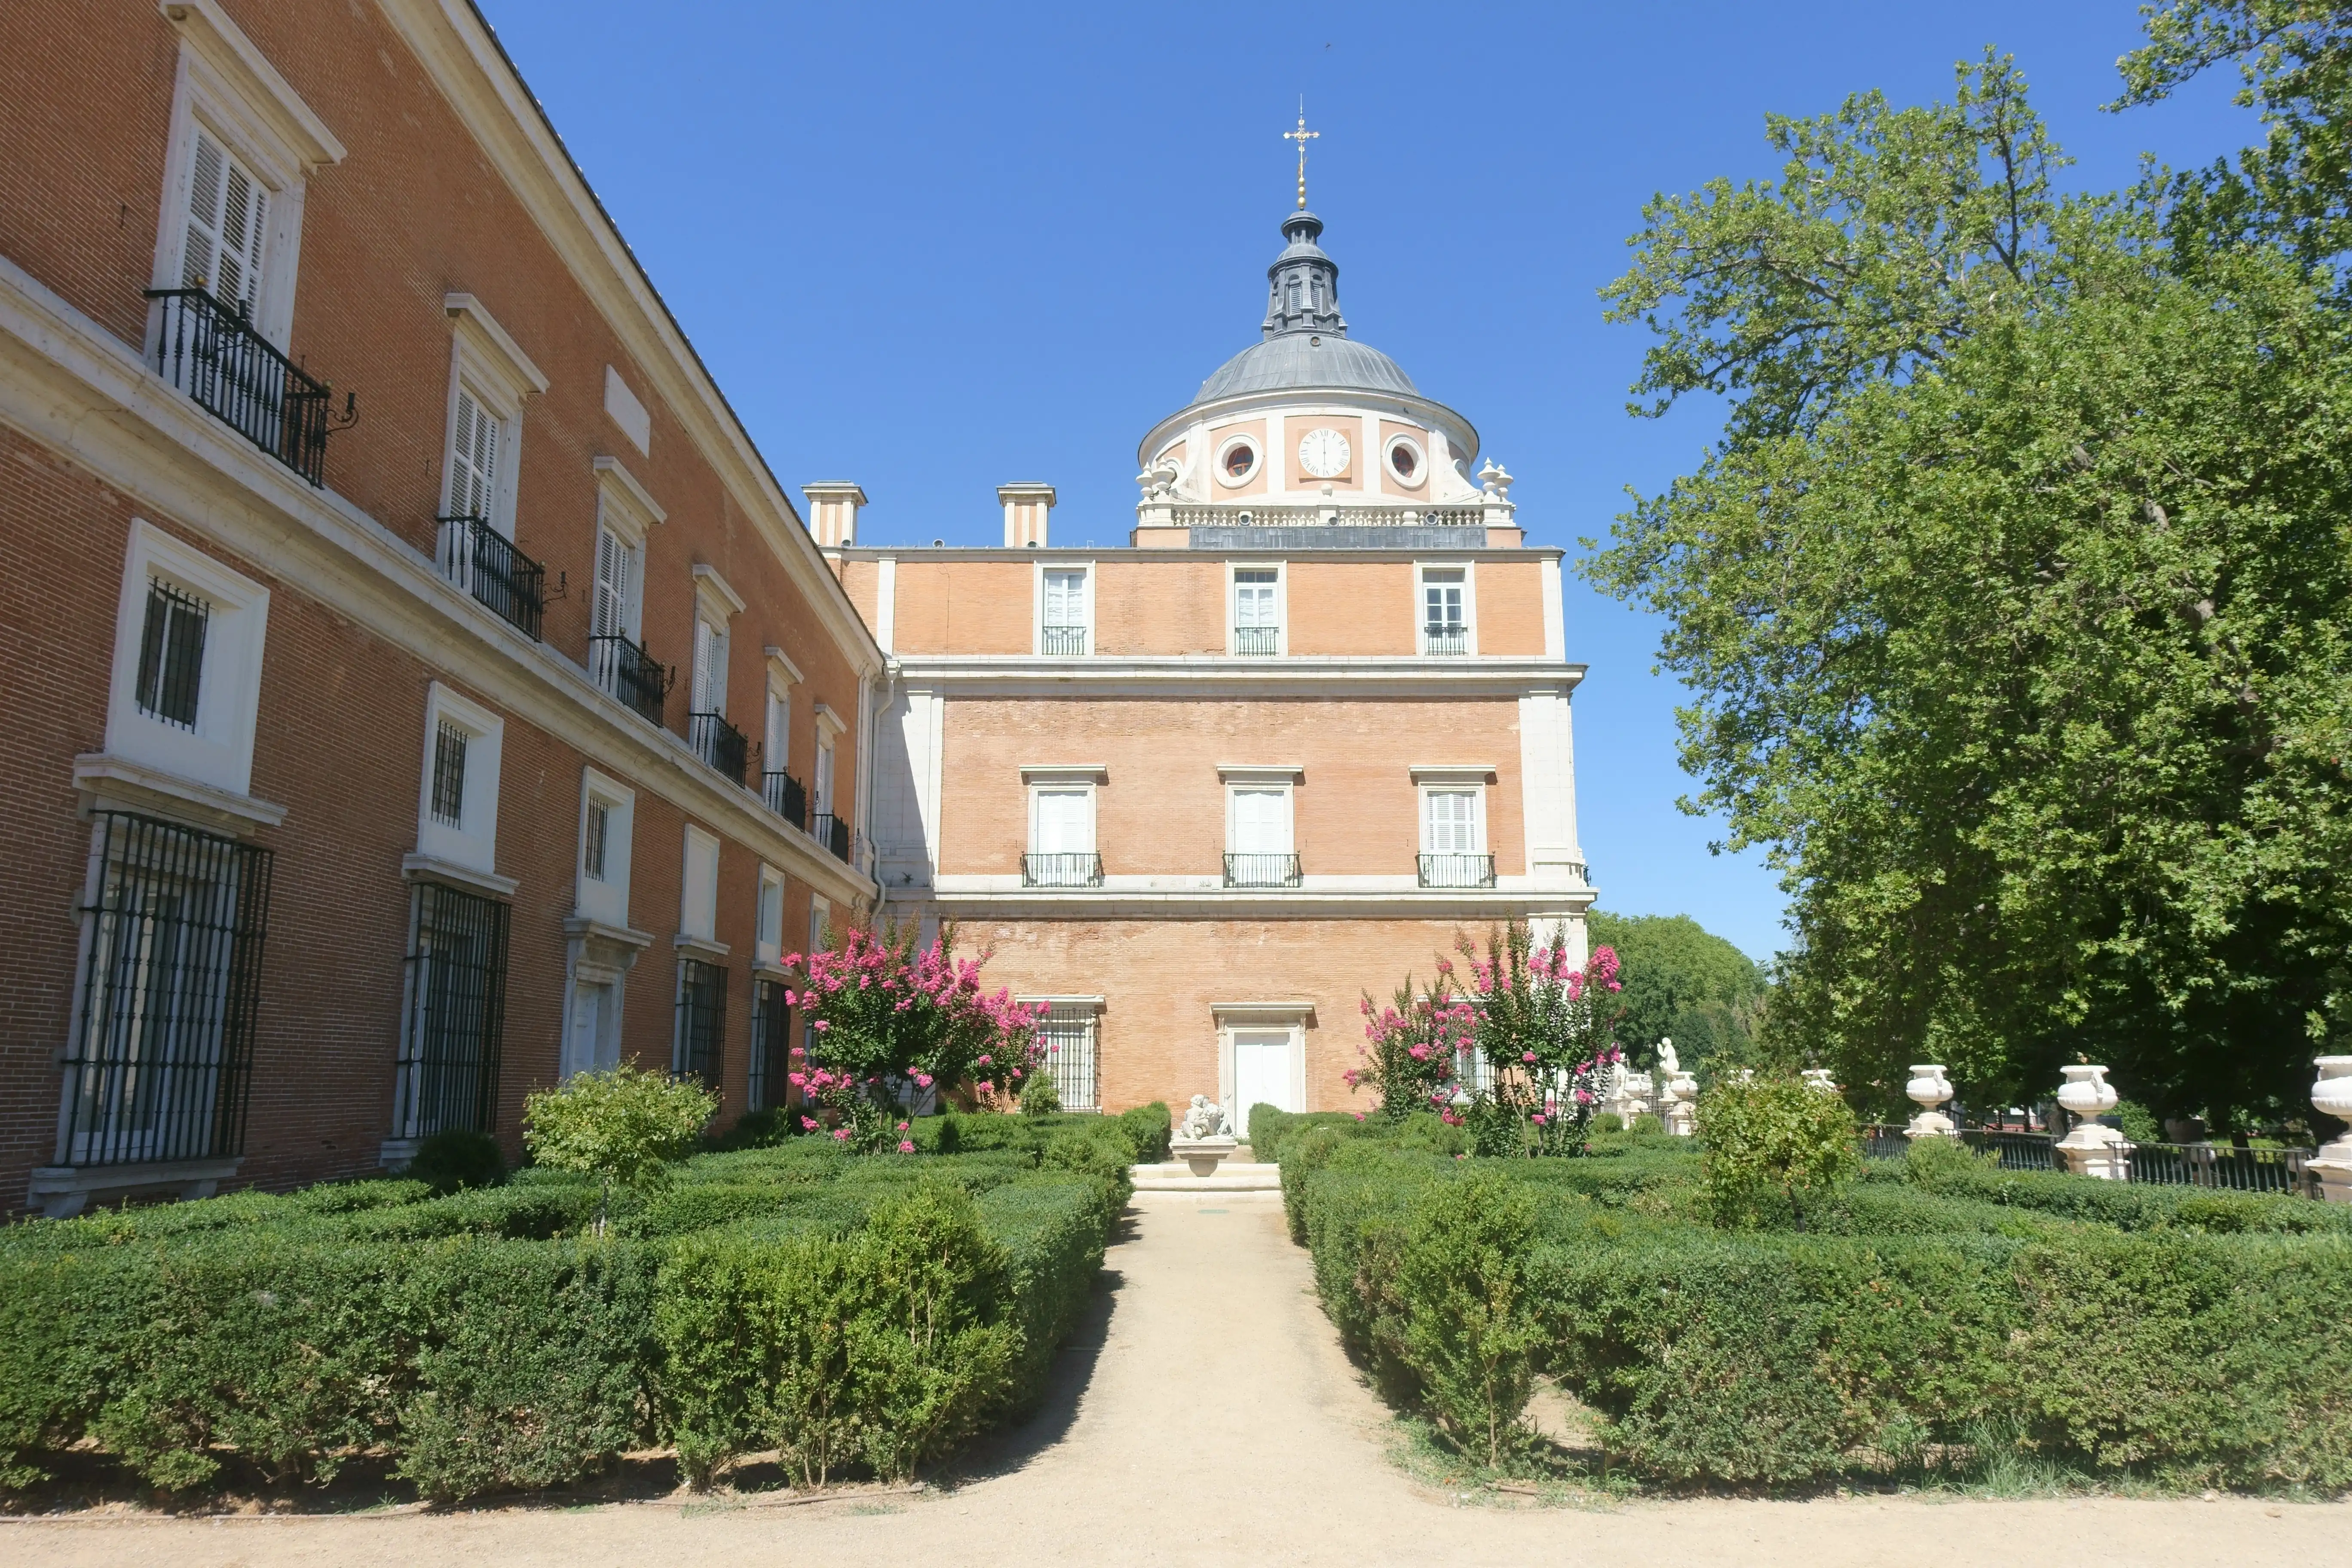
(1067, 870)
(771, 1046)
(1067, 1034)
(449, 774)
(1257, 640)
(172, 653)
(1062, 641)
(1262, 870)
(600, 829)
(159, 1063)
(455, 1022)
(721, 745)
(785, 798)
(629, 672)
(833, 833)
(1457, 870)
(485, 562)
(701, 1021)
(210, 351)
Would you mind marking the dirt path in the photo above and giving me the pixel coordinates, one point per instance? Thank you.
(1208, 1417)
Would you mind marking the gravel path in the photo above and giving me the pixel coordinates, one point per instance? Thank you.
(1208, 1417)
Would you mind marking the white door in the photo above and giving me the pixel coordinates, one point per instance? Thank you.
(1261, 822)
(589, 1001)
(1266, 1072)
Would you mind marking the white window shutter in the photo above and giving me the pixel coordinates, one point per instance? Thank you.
(228, 222)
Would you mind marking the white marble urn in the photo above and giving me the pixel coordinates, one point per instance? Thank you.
(2087, 1093)
(2092, 1149)
(1928, 1089)
(2332, 1095)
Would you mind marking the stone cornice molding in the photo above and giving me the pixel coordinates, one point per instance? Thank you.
(70, 384)
(918, 554)
(1517, 896)
(224, 47)
(1231, 676)
(493, 343)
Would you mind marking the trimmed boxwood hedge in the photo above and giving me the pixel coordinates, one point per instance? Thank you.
(486, 1340)
(2183, 1337)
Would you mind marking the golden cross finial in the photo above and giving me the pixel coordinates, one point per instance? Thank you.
(1302, 136)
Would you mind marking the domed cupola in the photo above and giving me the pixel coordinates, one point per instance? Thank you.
(1304, 296)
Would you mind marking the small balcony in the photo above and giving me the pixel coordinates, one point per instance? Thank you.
(1445, 639)
(1067, 870)
(485, 562)
(1262, 870)
(720, 745)
(210, 351)
(626, 671)
(1457, 870)
(1264, 641)
(1064, 641)
(785, 798)
(833, 833)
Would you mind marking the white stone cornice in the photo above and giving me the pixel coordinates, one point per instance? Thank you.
(1367, 898)
(1029, 675)
(227, 49)
(70, 385)
(492, 342)
(465, 62)
(613, 477)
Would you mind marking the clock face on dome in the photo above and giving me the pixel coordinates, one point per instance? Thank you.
(1324, 453)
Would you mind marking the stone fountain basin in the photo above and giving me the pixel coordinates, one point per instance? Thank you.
(1203, 1154)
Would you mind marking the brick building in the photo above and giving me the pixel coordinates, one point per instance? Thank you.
(419, 685)
(1202, 792)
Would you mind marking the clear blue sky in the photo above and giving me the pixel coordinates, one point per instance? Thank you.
(932, 249)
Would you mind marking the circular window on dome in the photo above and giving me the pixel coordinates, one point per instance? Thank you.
(1404, 459)
(1237, 460)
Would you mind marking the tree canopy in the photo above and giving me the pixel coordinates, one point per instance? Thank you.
(2015, 599)
(1682, 983)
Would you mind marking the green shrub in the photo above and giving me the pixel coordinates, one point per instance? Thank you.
(1039, 1096)
(456, 1158)
(1773, 1142)
(623, 1125)
(1607, 1121)
(1148, 1127)
(1268, 1128)
(1469, 1329)
(1646, 1122)
(1936, 1163)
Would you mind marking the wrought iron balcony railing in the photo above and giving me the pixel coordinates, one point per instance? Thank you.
(1064, 640)
(629, 672)
(719, 743)
(1457, 870)
(1062, 871)
(1262, 870)
(785, 798)
(1257, 639)
(1444, 639)
(485, 562)
(833, 833)
(210, 351)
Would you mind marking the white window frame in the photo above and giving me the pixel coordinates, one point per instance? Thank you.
(716, 606)
(1420, 480)
(1257, 460)
(1281, 602)
(218, 750)
(1085, 569)
(768, 918)
(473, 841)
(1039, 789)
(776, 713)
(697, 887)
(227, 86)
(490, 366)
(820, 917)
(627, 512)
(606, 899)
(1469, 569)
(1478, 793)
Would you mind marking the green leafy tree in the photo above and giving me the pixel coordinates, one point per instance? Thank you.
(1683, 983)
(2016, 606)
(622, 1126)
(1773, 1139)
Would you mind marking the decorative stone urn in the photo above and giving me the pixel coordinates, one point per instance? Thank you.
(1819, 1077)
(1677, 1093)
(2332, 1095)
(1205, 1138)
(1629, 1092)
(2092, 1149)
(1928, 1089)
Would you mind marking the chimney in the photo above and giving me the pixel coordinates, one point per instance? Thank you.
(1026, 507)
(832, 510)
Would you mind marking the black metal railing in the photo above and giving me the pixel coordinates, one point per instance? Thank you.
(1261, 870)
(447, 1071)
(1257, 639)
(832, 832)
(485, 562)
(1067, 870)
(627, 671)
(210, 351)
(785, 798)
(701, 1021)
(770, 1071)
(1884, 1141)
(1444, 639)
(1457, 870)
(1064, 640)
(158, 1066)
(720, 745)
(2221, 1165)
(2018, 1150)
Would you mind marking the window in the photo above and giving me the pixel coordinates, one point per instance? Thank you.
(1258, 850)
(158, 1065)
(1062, 838)
(1404, 459)
(1067, 611)
(448, 1074)
(227, 225)
(457, 808)
(771, 1066)
(697, 914)
(596, 831)
(1257, 611)
(1067, 1033)
(473, 457)
(1236, 461)
(701, 1021)
(768, 920)
(172, 654)
(608, 815)
(613, 612)
(1453, 839)
(776, 739)
(1445, 604)
(820, 925)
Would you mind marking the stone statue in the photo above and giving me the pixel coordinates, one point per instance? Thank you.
(1669, 1064)
(1206, 1119)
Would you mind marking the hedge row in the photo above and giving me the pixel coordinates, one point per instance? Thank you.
(868, 1311)
(2195, 1357)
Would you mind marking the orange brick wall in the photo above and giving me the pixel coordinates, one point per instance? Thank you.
(1351, 608)
(1160, 606)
